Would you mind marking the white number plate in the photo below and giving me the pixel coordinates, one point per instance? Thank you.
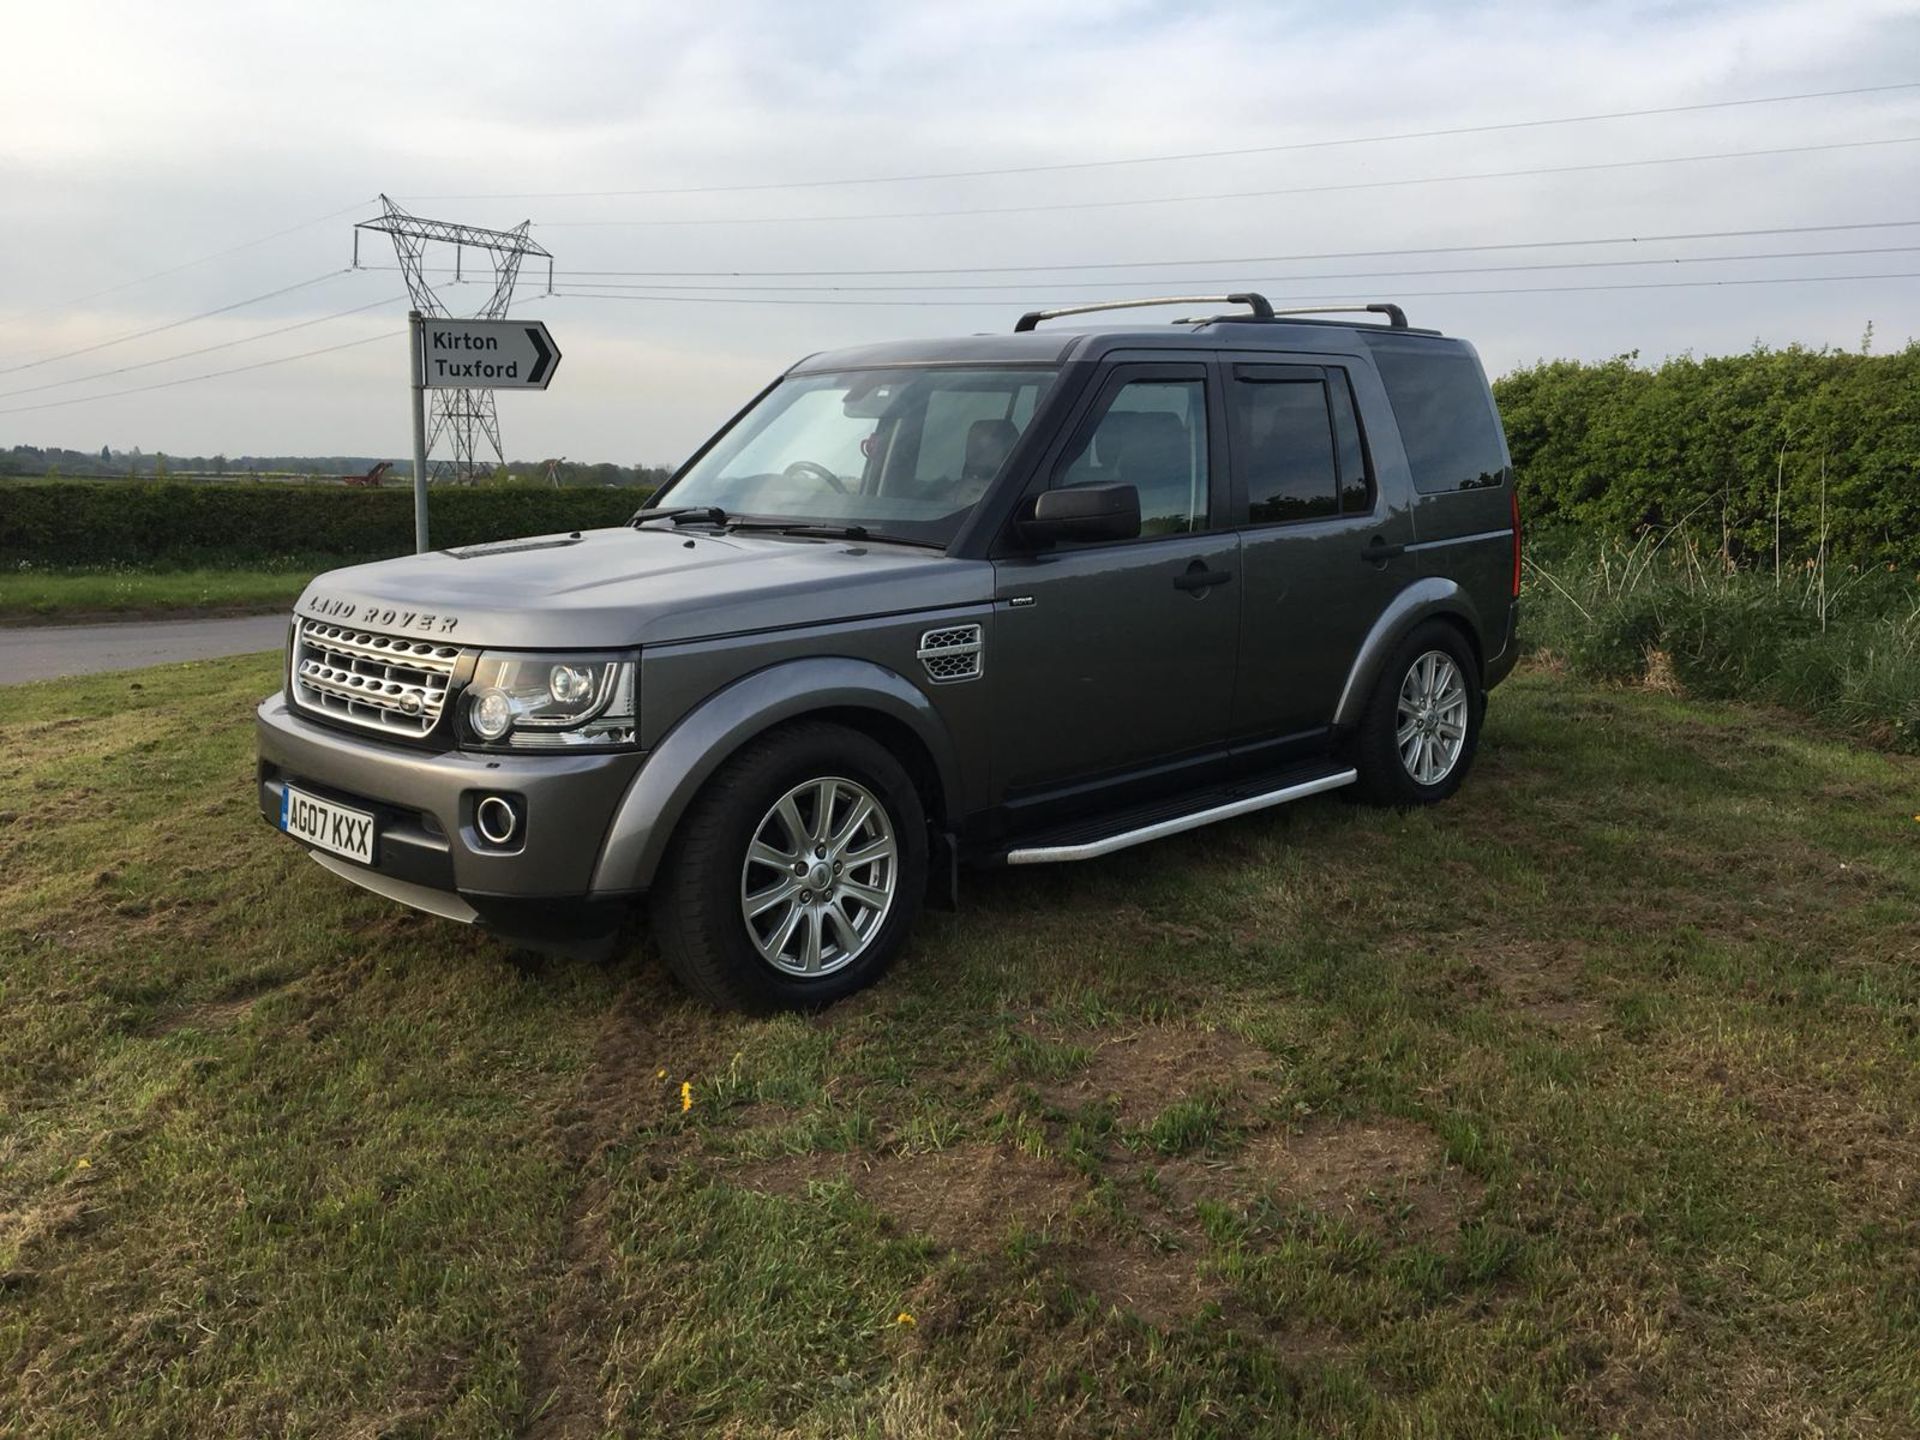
(330, 826)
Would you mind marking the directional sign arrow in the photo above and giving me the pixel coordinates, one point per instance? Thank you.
(487, 355)
(538, 335)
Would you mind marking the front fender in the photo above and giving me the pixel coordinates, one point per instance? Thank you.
(715, 729)
(1423, 600)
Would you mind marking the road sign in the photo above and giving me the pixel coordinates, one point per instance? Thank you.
(486, 355)
(469, 355)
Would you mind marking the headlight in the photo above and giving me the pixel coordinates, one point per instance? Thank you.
(550, 702)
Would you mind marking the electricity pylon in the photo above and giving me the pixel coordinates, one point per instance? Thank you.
(463, 418)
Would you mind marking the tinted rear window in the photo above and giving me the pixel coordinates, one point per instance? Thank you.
(1445, 415)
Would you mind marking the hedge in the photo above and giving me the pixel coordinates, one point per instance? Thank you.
(148, 525)
(1827, 439)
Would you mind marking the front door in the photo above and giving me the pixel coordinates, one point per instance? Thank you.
(1116, 656)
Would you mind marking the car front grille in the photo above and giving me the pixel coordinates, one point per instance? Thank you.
(392, 683)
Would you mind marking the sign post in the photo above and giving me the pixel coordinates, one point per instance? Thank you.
(469, 355)
(418, 369)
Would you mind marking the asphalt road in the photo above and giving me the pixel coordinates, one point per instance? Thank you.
(47, 652)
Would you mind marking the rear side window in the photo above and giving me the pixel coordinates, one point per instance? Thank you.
(1283, 436)
(1297, 444)
(1445, 415)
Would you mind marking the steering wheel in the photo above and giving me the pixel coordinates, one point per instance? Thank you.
(801, 468)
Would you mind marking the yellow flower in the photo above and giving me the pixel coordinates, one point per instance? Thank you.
(85, 1164)
(903, 1318)
(686, 1096)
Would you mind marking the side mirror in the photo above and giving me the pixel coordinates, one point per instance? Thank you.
(1083, 513)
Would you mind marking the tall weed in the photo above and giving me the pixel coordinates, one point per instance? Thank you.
(1843, 646)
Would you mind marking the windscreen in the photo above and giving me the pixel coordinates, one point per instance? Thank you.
(905, 452)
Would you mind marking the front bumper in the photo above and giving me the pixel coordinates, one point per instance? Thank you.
(423, 803)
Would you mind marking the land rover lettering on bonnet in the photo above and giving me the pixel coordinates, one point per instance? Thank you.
(921, 608)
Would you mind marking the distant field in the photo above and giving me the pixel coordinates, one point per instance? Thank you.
(1580, 1105)
(27, 595)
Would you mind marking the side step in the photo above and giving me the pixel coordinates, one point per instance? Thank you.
(1090, 839)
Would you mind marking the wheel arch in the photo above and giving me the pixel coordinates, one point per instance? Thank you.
(859, 694)
(1430, 598)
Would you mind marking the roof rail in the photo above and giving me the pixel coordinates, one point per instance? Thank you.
(1257, 303)
(1396, 317)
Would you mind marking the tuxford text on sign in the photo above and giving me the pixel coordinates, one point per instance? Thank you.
(469, 355)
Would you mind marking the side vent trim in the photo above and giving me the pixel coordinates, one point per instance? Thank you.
(953, 653)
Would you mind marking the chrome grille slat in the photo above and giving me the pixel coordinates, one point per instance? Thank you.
(392, 683)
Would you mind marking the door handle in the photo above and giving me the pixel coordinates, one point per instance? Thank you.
(1381, 550)
(1197, 578)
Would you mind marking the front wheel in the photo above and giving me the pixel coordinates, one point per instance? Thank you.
(796, 875)
(1421, 728)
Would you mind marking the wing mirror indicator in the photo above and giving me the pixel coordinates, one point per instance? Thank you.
(1083, 513)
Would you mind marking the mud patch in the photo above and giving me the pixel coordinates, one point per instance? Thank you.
(967, 1200)
(1162, 1287)
(1539, 980)
(213, 1015)
(962, 1199)
(1142, 1073)
(1385, 1175)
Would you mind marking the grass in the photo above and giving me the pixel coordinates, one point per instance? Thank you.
(1583, 1104)
(50, 595)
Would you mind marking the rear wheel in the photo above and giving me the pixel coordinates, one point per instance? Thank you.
(797, 874)
(1417, 740)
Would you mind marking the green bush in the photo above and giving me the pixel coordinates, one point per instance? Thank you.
(1826, 441)
(148, 525)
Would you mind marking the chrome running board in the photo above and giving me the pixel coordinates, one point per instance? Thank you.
(1092, 849)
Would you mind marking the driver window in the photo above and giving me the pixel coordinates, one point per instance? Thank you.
(1154, 438)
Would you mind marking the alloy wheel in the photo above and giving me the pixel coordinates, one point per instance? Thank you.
(1430, 722)
(819, 877)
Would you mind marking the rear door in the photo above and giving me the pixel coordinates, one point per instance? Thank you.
(1322, 549)
(1116, 656)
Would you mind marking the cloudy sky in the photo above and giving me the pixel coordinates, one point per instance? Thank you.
(137, 139)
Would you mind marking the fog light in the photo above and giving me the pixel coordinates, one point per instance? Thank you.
(496, 819)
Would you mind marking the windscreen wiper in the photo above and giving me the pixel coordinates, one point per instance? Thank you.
(681, 514)
(829, 532)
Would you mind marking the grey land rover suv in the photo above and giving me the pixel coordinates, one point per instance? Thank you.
(1011, 599)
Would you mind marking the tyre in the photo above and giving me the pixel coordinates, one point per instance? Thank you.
(796, 875)
(1417, 739)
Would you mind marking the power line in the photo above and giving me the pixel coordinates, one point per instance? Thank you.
(1055, 168)
(174, 324)
(1281, 259)
(210, 375)
(1348, 185)
(918, 288)
(184, 265)
(1302, 299)
(203, 350)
